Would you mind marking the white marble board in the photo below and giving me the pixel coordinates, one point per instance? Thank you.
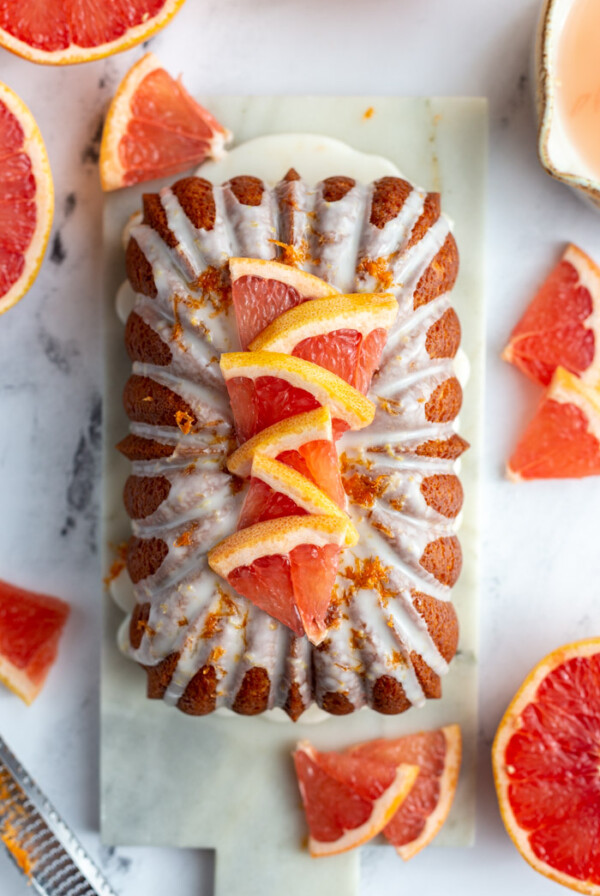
(168, 779)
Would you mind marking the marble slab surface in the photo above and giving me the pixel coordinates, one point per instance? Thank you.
(149, 753)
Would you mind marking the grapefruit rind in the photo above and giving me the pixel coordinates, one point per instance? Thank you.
(33, 146)
(287, 435)
(17, 681)
(74, 53)
(509, 725)
(112, 171)
(364, 313)
(344, 401)
(278, 536)
(304, 284)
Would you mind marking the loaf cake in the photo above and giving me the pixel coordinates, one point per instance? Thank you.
(393, 629)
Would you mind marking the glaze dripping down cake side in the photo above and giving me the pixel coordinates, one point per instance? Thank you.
(393, 629)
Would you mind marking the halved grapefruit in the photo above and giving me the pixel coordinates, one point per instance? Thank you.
(344, 334)
(30, 628)
(26, 199)
(546, 767)
(287, 567)
(303, 442)
(154, 128)
(60, 32)
(563, 439)
(277, 490)
(561, 326)
(266, 387)
(262, 290)
(437, 754)
(348, 800)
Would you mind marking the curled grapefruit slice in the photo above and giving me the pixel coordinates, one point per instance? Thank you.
(303, 442)
(155, 128)
(60, 32)
(561, 326)
(277, 490)
(545, 760)
(343, 334)
(262, 290)
(287, 567)
(348, 799)
(266, 387)
(30, 628)
(425, 809)
(563, 439)
(26, 199)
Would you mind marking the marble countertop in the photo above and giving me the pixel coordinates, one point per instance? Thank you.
(540, 557)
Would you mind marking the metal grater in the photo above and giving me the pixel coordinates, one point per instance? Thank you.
(52, 858)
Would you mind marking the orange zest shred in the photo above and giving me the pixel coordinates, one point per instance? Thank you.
(378, 268)
(118, 564)
(368, 113)
(184, 421)
(9, 834)
(364, 490)
(293, 255)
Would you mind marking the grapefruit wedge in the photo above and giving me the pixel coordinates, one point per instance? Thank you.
(267, 387)
(30, 628)
(563, 439)
(262, 290)
(546, 770)
(343, 334)
(561, 326)
(425, 809)
(348, 799)
(60, 32)
(287, 567)
(154, 128)
(303, 442)
(26, 199)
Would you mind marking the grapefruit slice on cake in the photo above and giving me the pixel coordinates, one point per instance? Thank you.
(303, 442)
(26, 199)
(267, 387)
(262, 290)
(347, 799)
(154, 128)
(287, 567)
(438, 755)
(561, 326)
(30, 628)
(563, 439)
(60, 32)
(545, 759)
(343, 334)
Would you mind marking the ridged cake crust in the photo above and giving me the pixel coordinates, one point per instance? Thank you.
(393, 628)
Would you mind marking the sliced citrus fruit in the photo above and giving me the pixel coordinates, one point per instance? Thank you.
(30, 628)
(563, 439)
(348, 800)
(277, 490)
(26, 198)
(545, 759)
(60, 32)
(303, 442)
(561, 326)
(287, 567)
(266, 387)
(344, 334)
(155, 128)
(425, 809)
(262, 290)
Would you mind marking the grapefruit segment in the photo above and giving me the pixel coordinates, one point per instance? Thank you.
(262, 290)
(563, 439)
(287, 567)
(26, 199)
(343, 334)
(267, 387)
(348, 800)
(561, 326)
(154, 128)
(30, 628)
(545, 760)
